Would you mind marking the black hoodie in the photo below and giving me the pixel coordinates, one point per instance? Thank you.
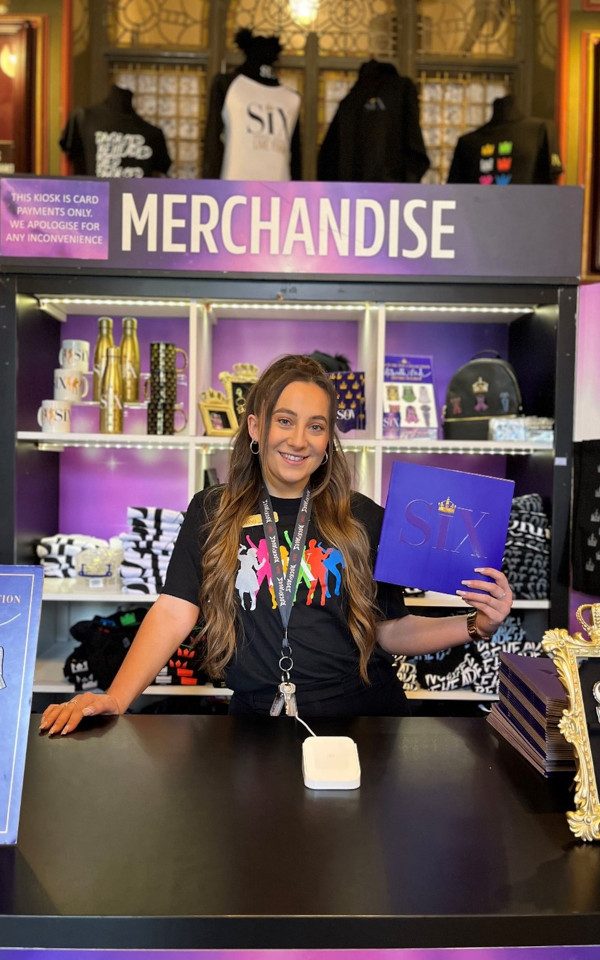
(375, 134)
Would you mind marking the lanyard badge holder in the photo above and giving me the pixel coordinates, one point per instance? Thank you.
(328, 763)
(285, 590)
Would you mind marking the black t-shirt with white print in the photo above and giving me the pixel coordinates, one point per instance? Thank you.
(323, 650)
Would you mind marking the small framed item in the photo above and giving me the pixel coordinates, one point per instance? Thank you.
(577, 660)
(217, 414)
(237, 385)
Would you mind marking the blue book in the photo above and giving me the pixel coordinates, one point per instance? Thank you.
(20, 607)
(439, 525)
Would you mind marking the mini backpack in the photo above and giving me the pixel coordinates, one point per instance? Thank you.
(484, 387)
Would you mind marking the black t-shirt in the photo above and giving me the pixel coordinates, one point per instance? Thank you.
(111, 140)
(323, 650)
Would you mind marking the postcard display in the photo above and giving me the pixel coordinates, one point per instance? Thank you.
(398, 278)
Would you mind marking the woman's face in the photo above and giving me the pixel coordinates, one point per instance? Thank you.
(297, 438)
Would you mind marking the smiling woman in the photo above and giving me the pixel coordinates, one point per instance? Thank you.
(277, 566)
(297, 438)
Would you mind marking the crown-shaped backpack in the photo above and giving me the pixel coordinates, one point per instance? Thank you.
(484, 387)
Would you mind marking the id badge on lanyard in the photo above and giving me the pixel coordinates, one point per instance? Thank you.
(284, 586)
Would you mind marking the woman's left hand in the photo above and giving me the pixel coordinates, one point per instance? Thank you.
(494, 604)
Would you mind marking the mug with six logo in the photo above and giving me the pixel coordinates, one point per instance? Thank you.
(54, 416)
(70, 384)
(75, 354)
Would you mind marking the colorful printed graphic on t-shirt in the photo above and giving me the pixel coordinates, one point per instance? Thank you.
(495, 163)
(320, 570)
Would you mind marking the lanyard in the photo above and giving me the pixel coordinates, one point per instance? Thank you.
(285, 586)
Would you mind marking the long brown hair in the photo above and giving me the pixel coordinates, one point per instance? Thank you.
(330, 484)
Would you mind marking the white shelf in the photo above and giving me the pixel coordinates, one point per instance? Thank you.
(433, 599)
(49, 678)
(430, 599)
(468, 447)
(135, 441)
(59, 441)
(91, 596)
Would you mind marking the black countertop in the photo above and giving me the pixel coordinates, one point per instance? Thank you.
(192, 831)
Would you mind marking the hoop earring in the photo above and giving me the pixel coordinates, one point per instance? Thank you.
(252, 449)
(325, 459)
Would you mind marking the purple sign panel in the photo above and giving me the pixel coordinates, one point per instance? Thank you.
(347, 228)
(426, 953)
(62, 219)
(353, 229)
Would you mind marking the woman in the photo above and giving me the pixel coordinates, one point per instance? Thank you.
(261, 559)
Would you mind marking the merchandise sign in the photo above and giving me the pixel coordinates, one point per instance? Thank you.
(63, 219)
(339, 229)
(20, 606)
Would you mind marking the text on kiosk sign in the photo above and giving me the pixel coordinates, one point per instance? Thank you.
(359, 227)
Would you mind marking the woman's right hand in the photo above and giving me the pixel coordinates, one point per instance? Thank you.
(65, 717)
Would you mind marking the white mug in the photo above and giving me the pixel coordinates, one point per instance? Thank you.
(75, 354)
(54, 416)
(70, 384)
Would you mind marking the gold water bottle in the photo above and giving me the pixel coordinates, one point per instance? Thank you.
(104, 340)
(130, 360)
(111, 394)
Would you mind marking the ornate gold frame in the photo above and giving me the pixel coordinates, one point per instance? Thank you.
(213, 401)
(242, 376)
(566, 651)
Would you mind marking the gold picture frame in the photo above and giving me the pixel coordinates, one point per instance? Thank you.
(237, 383)
(577, 660)
(217, 414)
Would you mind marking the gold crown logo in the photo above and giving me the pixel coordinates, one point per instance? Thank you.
(446, 506)
(213, 396)
(487, 150)
(480, 385)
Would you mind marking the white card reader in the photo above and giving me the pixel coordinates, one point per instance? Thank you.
(330, 763)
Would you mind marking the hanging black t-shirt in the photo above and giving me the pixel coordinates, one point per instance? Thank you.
(110, 139)
(323, 649)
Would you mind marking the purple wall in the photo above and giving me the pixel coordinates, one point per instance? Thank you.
(448, 351)
(259, 341)
(96, 486)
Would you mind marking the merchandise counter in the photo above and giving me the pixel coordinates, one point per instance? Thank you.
(194, 831)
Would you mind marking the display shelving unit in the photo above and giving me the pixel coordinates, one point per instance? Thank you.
(84, 477)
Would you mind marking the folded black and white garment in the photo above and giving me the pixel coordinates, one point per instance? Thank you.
(147, 560)
(132, 571)
(82, 540)
(141, 586)
(56, 567)
(139, 541)
(155, 530)
(157, 515)
(58, 550)
(136, 556)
